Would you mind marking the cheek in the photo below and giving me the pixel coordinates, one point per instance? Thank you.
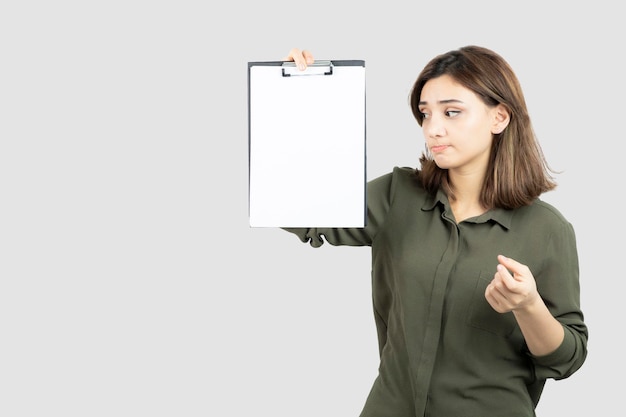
(480, 134)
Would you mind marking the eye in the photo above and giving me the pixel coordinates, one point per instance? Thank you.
(424, 115)
(452, 113)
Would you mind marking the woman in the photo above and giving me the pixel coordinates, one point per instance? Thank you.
(475, 278)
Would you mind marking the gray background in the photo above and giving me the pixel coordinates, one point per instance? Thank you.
(130, 281)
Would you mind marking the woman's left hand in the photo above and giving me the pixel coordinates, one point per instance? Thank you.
(513, 286)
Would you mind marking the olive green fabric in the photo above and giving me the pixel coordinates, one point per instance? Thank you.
(443, 350)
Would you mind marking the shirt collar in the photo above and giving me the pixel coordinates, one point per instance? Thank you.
(501, 216)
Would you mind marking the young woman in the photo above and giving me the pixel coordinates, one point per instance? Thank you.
(475, 278)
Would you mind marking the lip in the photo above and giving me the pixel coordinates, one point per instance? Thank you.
(438, 148)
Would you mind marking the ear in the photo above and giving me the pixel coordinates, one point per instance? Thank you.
(501, 119)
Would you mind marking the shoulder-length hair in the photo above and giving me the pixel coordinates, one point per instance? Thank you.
(517, 171)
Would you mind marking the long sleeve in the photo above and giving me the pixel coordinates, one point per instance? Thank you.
(558, 284)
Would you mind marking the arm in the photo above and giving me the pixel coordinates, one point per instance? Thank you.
(547, 308)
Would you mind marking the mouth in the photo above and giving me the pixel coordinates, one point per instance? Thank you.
(438, 148)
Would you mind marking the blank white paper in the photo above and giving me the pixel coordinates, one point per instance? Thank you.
(307, 148)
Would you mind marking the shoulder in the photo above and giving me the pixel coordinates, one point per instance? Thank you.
(547, 210)
(401, 181)
(543, 216)
(406, 176)
(407, 173)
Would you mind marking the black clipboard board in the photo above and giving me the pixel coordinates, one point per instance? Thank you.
(307, 144)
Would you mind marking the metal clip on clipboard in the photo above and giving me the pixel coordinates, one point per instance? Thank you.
(316, 68)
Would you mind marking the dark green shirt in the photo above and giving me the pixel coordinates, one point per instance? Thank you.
(444, 352)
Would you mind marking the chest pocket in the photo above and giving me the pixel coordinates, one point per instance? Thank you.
(482, 316)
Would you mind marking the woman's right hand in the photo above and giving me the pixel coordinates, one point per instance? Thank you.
(301, 58)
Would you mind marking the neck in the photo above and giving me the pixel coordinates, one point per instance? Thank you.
(467, 188)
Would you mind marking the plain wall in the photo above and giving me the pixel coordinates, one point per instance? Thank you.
(130, 281)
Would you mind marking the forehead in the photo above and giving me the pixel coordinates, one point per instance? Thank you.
(445, 89)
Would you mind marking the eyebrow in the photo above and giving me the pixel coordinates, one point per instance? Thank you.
(452, 100)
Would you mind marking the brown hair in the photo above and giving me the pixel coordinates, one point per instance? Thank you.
(517, 171)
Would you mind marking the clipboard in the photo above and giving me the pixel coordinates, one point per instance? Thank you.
(307, 144)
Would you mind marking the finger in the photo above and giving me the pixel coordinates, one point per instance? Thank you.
(510, 263)
(308, 56)
(495, 298)
(490, 291)
(498, 286)
(297, 56)
(517, 269)
(291, 55)
(507, 280)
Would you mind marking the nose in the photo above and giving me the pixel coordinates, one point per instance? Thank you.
(433, 127)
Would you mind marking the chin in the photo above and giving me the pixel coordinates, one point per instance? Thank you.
(442, 164)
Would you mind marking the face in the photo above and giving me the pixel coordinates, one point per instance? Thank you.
(458, 126)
